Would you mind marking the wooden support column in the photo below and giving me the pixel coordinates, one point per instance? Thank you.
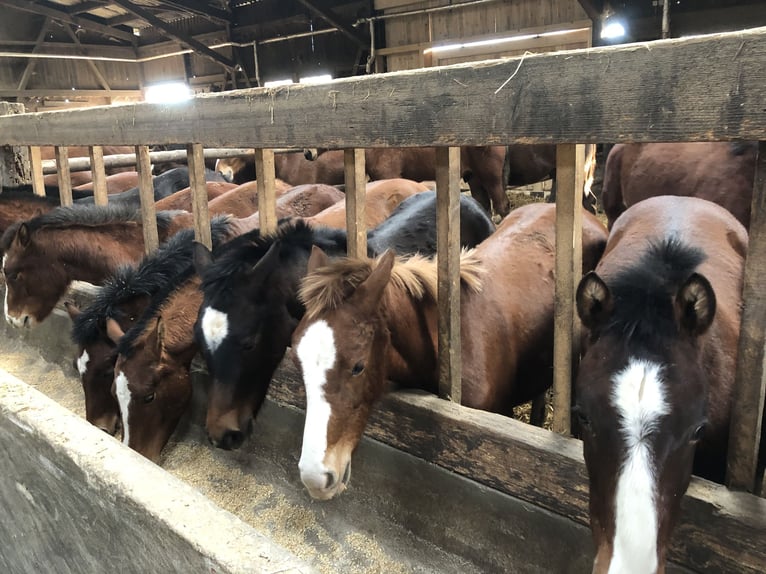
(750, 385)
(570, 176)
(65, 181)
(195, 155)
(267, 197)
(14, 161)
(356, 190)
(146, 194)
(98, 173)
(36, 169)
(448, 251)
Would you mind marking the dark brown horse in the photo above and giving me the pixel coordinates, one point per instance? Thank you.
(654, 386)
(370, 321)
(45, 254)
(20, 206)
(717, 171)
(290, 167)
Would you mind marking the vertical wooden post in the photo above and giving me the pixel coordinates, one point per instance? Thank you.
(448, 252)
(14, 160)
(570, 176)
(195, 155)
(98, 172)
(264, 167)
(356, 190)
(750, 386)
(146, 194)
(65, 181)
(36, 167)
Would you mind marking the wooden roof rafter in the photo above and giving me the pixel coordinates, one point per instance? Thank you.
(203, 9)
(345, 28)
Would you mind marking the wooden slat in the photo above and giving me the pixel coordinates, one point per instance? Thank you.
(264, 168)
(591, 95)
(64, 178)
(448, 250)
(100, 194)
(570, 159)
(750, 386)
(146, 193)
(35, 163)
(196, 159)
(356, 189)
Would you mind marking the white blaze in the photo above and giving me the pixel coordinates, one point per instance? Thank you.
(82, 363)
(123, 398)
(12, 320)
(639, 398)
(215, 327)
(316, 353)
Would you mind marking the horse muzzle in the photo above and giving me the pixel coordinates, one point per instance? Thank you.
(21, 321)
(326, 484)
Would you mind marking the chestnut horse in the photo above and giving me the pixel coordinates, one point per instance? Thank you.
(247, 317)
(45, 254)
(115, 183)
(81, 177)
(20, 206)
(182, 200)
(370, 321)
(290, 167)
(654, 387)
(720, 172)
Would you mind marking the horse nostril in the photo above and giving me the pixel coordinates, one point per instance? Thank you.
(231, 440)
(330, 476)
(26, 320)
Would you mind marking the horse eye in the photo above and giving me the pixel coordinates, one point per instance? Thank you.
(582, 418)
(699, 432)
(357, 370)
(149, 398)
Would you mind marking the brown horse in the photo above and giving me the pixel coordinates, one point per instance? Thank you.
(720, 172)
(45, 254)
(20, 206)
(290, 167)
(115, 183)
(654, 386)
(83, 177)
(182, 200)
(368, 321)
(301, 201)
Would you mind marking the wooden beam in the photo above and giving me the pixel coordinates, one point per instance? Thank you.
(52, 10)
(448, 250)
(84, 7)
(356, 196)
(163, 27)
(39, 41)
(593, 8)
(750, 387)
(123, 19)
(146, 194)
(339, 22)
(54, 93)
(92, 65)
(65, 180)
(36, 167)
(491, 103)
(196, 160)
(267, 197)
(100, 192)
(205, 10)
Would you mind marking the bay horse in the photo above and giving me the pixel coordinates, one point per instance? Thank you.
(251, 303)
(654, 387)
(293, 168)
(43, 255)
(21, 205)
(721, 172)
(123, 298)
(369, 321)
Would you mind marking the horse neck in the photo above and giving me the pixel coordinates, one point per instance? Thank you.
(178, 317)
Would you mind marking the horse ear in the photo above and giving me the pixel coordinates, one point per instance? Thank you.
(594, 300)
(73, 310)
(317, 259)
(22, 235)
(695, 305)
(268, 262)
(370, 291)
(160, 333)
(203, 257)
(113, 330)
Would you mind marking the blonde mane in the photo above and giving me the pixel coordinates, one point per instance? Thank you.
(328, 287)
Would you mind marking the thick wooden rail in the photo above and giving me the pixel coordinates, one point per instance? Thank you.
(146, 194)
(98, 171)
(264, 167)
(35, 166)
(356, 191)
(64, 178)
(197, 182)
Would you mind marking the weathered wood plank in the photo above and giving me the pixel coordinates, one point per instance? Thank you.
(35, 164)
(64, 177)
(356, 190)
(98, 172)
(196, 160)
(146, 195)
(570, 159)
(720, 531)
(264, 167)
(702, 88)
(448, 250)
(750, 386)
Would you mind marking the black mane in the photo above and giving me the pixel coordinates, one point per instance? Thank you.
(644, 293)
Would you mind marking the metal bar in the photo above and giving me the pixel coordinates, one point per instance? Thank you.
(264, 167)
(35, 164)
(356, 190)
(448, 253)
(196, 160)
(65, 179)
(570, 175)
(98, 172)
(146, 194)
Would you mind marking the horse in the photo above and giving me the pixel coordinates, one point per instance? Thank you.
(115, 183)
(20, 206)
(43, 255)
(182, 200)
(123, 298)
(369, 321)
(251, 302)
(82, 177)
(721, 172)
(307, 201)
(290, 167)
(654, 387)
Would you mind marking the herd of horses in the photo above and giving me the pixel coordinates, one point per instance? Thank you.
(660, 301)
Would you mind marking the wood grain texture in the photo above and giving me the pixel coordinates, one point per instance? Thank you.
(98, 171)
(750, 384)
(264, 167)
(448, 251)
(356, 195)
(570, 175)
(196, 161)
(146, 195)
(703, 88)
(35, 165)
(64, 177)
